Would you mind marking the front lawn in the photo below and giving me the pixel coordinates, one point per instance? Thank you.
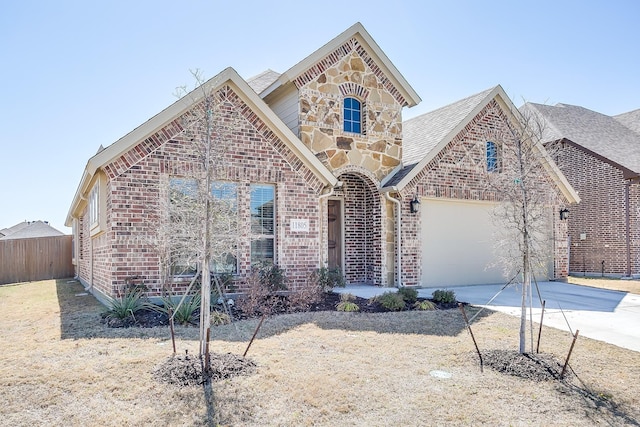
(59, 365)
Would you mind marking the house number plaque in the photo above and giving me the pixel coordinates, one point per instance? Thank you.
(300, 225)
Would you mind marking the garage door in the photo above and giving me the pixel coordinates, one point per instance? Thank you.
(458, 243)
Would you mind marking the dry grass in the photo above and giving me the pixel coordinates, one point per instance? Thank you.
(632, 286)
(60, 366)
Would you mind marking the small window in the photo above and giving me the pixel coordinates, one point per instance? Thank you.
(97, 207)
(352, 115)
(492, 157)
(94, 206)
(262, 224)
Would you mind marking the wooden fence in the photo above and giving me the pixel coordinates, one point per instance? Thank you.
(41, 258)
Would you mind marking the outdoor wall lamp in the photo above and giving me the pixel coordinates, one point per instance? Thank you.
(414, 205)
(564, 214)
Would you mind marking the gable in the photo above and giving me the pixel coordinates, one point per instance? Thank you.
(458, 169)
(354, 39)
(311, 99)
(249, 126)
(456, 161)
(137, 145)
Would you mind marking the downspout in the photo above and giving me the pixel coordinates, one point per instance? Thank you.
(398, 237)
(628, 225)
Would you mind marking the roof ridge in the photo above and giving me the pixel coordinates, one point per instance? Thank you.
(481, 94)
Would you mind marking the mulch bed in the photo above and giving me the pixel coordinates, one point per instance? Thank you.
(187, 370)
(150, 318)
(532, 366)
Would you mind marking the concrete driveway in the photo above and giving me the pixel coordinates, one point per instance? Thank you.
(601, 314)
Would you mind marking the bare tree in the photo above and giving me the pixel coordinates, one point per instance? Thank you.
(517, 171)
(196, 228)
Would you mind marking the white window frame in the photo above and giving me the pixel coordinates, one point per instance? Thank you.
(256, 235)
(96, 207)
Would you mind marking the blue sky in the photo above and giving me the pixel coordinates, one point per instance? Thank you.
(79, 74)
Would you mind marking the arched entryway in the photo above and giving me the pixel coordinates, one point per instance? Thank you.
(354, 225)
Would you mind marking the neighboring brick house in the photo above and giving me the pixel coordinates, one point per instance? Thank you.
(600, 156)
(320, 149)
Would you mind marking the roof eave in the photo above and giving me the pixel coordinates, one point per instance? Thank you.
(229, 75)
(448, 137)
(356, 30)
(561, 181)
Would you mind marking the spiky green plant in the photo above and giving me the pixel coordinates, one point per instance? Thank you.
(347, 303)
(424, 305)
(185, 313)
(128, 305)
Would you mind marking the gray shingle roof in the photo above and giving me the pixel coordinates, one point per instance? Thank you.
(423, 133)
(602, 134)
(26, 230)
(630, 120)
(263, 80)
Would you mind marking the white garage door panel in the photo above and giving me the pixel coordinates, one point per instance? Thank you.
(457, 243)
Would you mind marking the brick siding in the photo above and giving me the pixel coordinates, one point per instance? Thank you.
(600, 217)
(459, 172)
(135, 185)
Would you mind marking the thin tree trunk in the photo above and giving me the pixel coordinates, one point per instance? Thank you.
(526, 267)
(523, 311)
(205, 293)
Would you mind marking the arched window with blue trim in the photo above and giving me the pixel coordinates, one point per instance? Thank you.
(352, 115)
(492, 157)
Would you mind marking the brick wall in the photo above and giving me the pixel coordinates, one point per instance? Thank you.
(597, 225)
(363, 230)
(459, 172)
(135, 188)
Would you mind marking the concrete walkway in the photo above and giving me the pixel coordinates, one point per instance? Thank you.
(601, 314)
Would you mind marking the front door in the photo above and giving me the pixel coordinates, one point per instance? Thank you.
(334, 233)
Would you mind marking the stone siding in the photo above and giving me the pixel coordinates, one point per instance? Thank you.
(351, 72)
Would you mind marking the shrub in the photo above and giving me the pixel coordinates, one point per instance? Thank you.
(391, 301)
(127, 305)
(409, 295)
(346, 303)
(262, 284)
(303, 297)
(424, 305)
(186, 313)
(443, 296)
(327, 279)
(272, 277)
(219, 318)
